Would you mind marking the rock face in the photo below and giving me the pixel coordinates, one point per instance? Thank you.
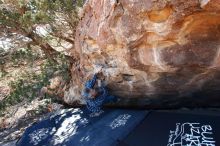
(160, 50)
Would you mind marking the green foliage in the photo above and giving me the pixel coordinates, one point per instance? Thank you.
(9, 18)
(21, 90)
(50, 67)
(28, 86)
(24, 55)
(26, 14)
(3, 53)
(22, 17)
(43, 11)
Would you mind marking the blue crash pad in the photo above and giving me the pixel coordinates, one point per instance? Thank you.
(75, 127)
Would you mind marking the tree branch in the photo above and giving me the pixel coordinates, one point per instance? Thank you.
(64, 38)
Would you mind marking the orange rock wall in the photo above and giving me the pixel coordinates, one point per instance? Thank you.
(151, 48)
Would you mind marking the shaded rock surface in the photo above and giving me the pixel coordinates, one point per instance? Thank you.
(160, 51)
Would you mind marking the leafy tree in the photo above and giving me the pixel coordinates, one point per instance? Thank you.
(43, 23)
(29, 25)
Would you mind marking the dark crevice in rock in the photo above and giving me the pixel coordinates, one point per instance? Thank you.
(128, 77)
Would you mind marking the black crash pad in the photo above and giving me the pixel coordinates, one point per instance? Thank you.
(175, 129)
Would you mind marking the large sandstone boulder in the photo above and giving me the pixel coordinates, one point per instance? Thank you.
(165, 52)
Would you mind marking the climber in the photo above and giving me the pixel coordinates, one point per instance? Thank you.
(96, 95)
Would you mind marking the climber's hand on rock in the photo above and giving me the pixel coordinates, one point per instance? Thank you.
(100, 75)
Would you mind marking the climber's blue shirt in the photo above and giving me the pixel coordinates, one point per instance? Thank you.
(94, 105)
(91, 83)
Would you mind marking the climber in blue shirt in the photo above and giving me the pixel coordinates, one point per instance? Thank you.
(96, 96)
